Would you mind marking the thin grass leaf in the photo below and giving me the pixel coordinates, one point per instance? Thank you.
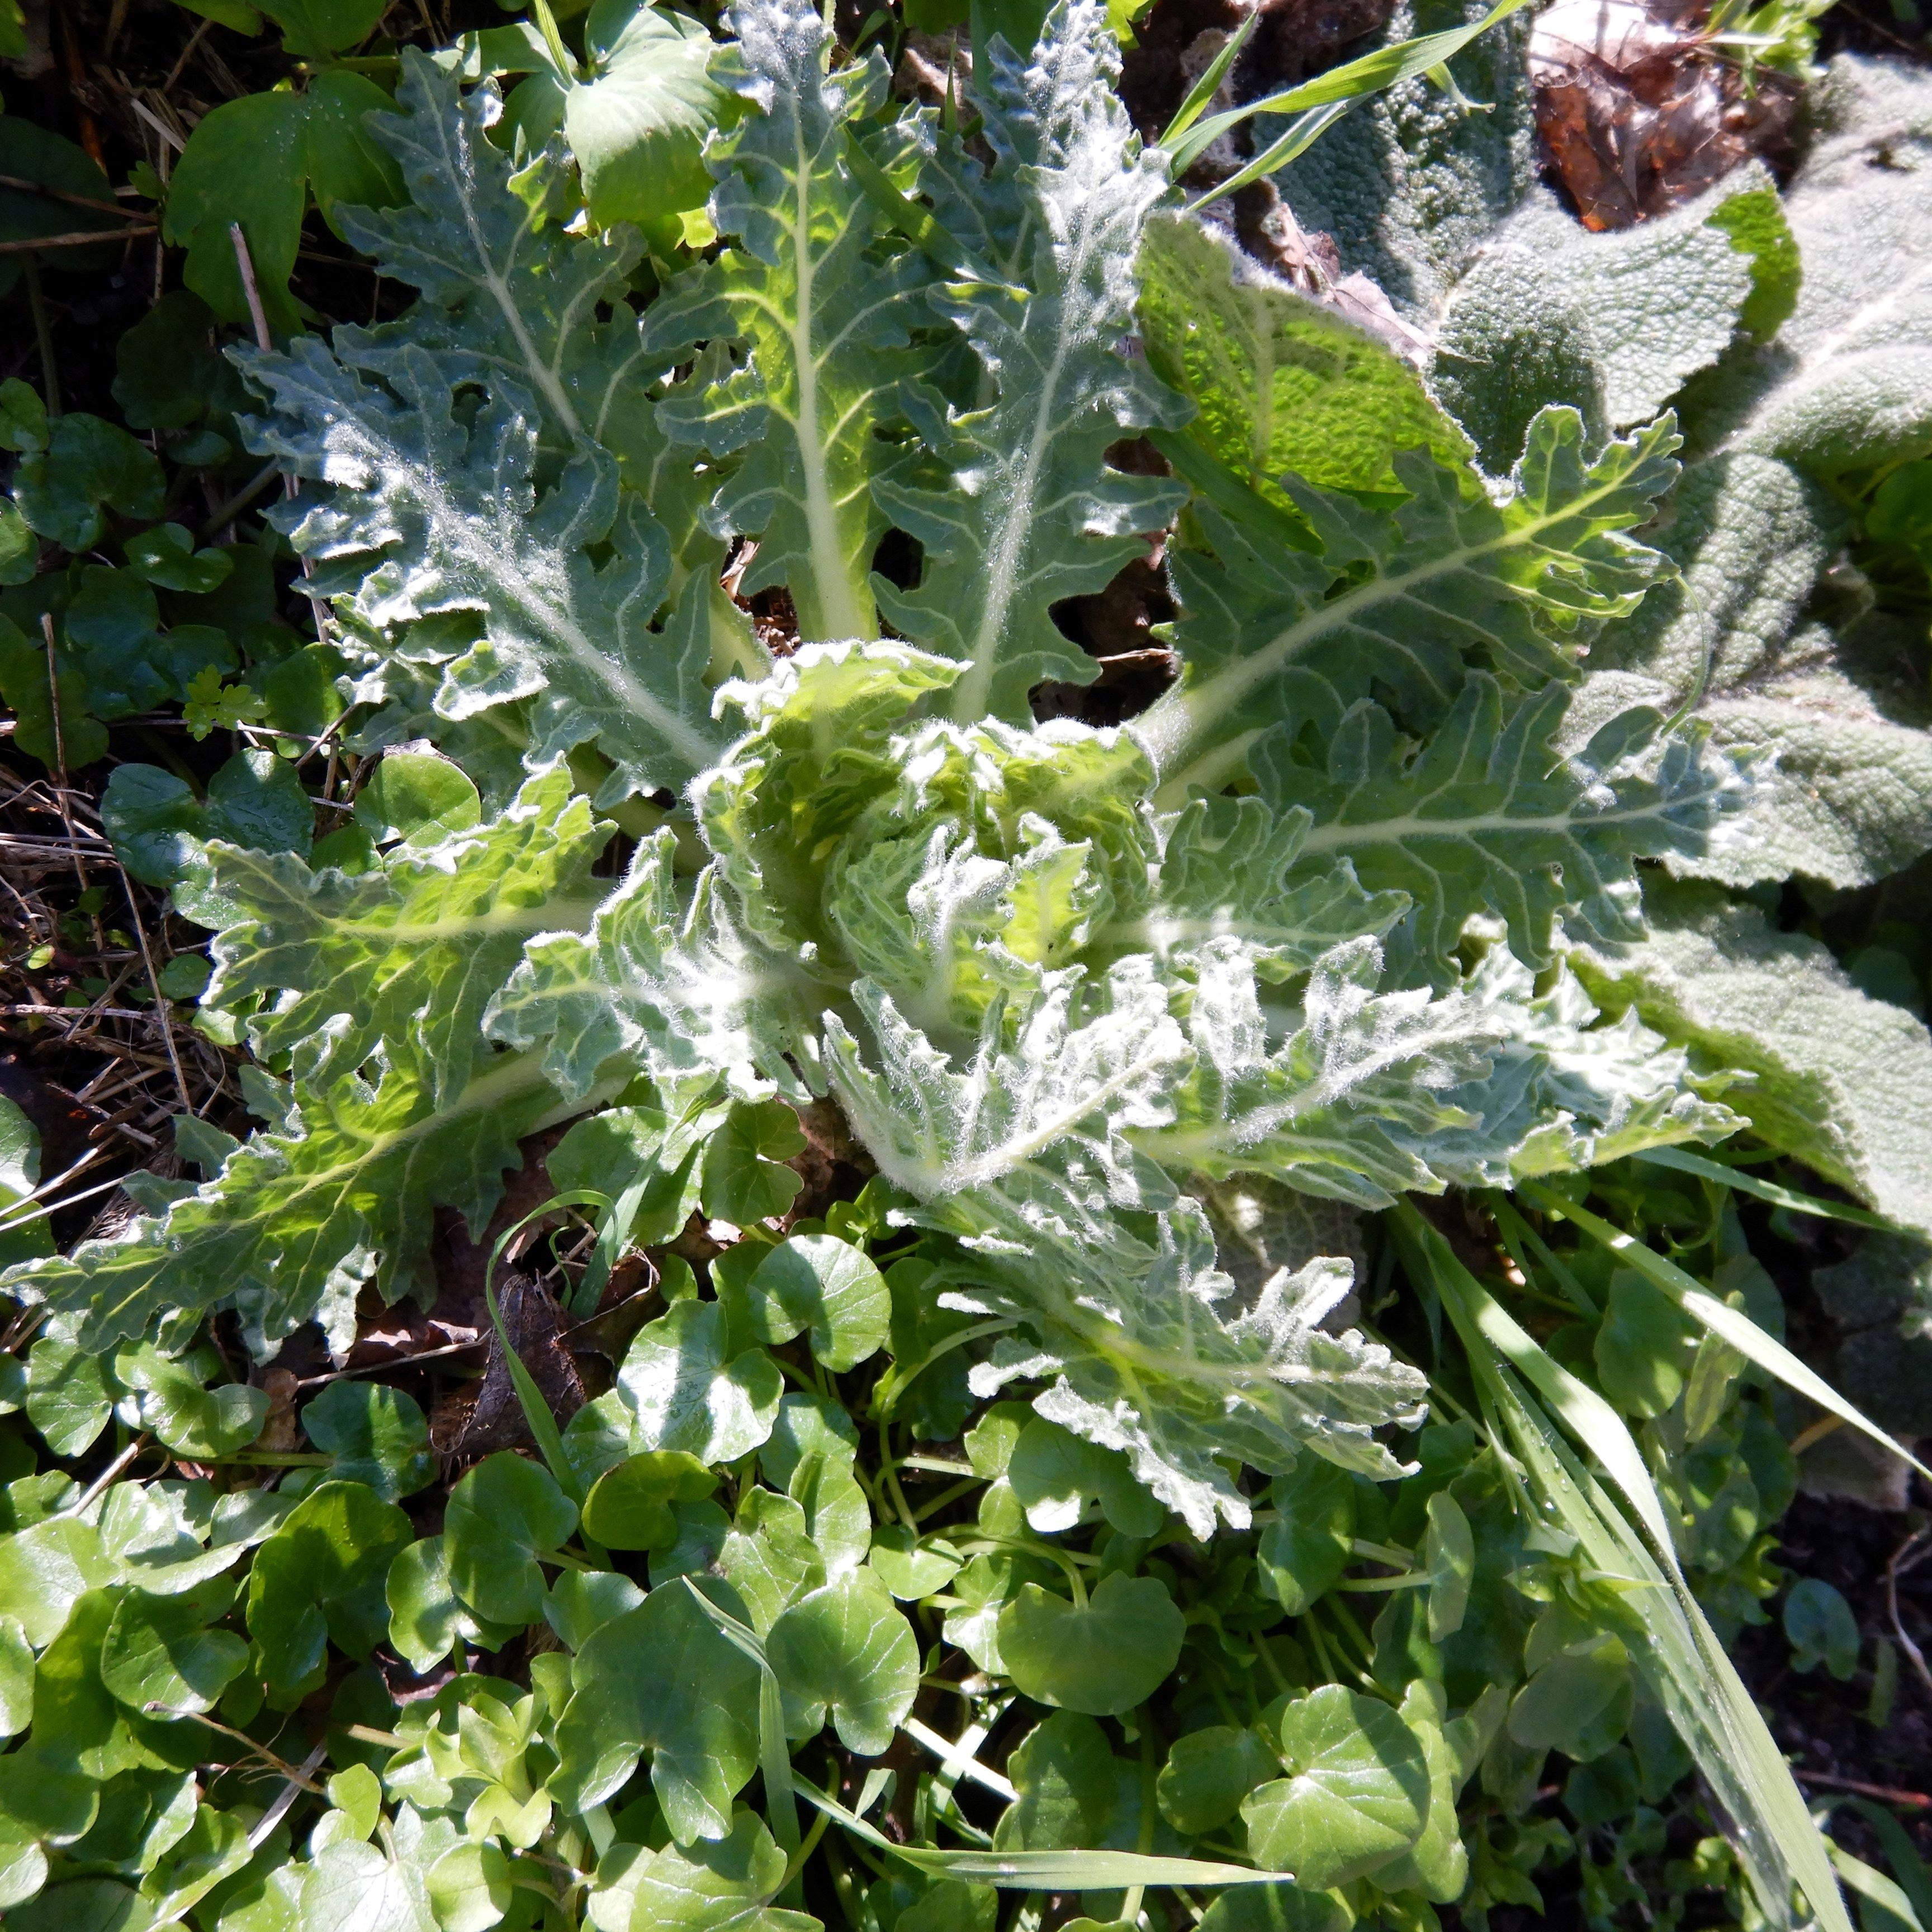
(1700, 1688)
(1914, 1878)
(1686, 1163)
(1728, 1323)
(774, 1752)
(1302, 133)
(1043, 1871)
(1203, 90)
(1875, 1888)
(1385, 67)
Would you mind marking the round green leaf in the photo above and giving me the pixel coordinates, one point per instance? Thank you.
(1103, 1658)
(661, 1678)
(628, 1507)
(1639, 1348)
(377, 1436)
(819, 1283)
(159, 1650)
(1300, 1556)
(1562, 1708)
(912, 1566)
(417, 796)
(581, 1602)
(353, 1887)
(191, 1419)
(23, 1871)
(43, 1798)
(743, 1182)
(1276, 1908)
(769, 1557)
(838, 1513)
(638, 126)
(1357, 1794)
(319, 1580)
(425, 1619)
(501, 1516)
(245, 162)
(1449, 1555)
(469, 1888)
(85, 1905)
(720, 1885)
(846, 1651)
(68, 1398)
(683, 1393)
(16, 1678)
(1207, 1773)
(1822, 1629)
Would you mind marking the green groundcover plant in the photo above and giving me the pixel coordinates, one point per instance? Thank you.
(1063, 1516)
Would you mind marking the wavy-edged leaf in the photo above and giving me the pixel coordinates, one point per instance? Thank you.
(1020, 508)
(823, 301)
(1073, 1067)
(665, 976)
(1486, 816)
(300, 1216)
(439, 512)
(1151, 1352)
(1409, 599)
(411, 951)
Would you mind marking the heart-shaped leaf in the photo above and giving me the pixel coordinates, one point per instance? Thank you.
(684, 1394)
(1103, 1657)
(743, 1180)
(1301, 1554)
(628, 1506)
(661, 1678)
(504, 1515)
(159, 1650)
(1207, 1773)
(1357, 1794)
(818, 1283)
(320, 1579)
(846, 1651)
(377, 1436)
(1053, 1472)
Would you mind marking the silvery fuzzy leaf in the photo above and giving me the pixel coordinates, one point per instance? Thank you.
(1566, 1090)
(301, 1215)
(1150, 1351)
(433, 512)
(665, 977)
(1484, 818)
(430, 514)
(1069, 1063)
(1630, 315)
(1409, 599)
(1346, 1106)
(1018, 508)
(1838, 1078)
(1228, 869)
(411, 952)
(1410, 183)
(823, 302)
(1846, 797)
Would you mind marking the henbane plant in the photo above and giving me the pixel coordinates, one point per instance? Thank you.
(1049, 981)
(1070, 989)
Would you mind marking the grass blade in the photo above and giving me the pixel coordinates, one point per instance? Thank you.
(1686, 1163)
(1729, 1324)
(1385, 67)
(1043, 1871)
(1694, 1678)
